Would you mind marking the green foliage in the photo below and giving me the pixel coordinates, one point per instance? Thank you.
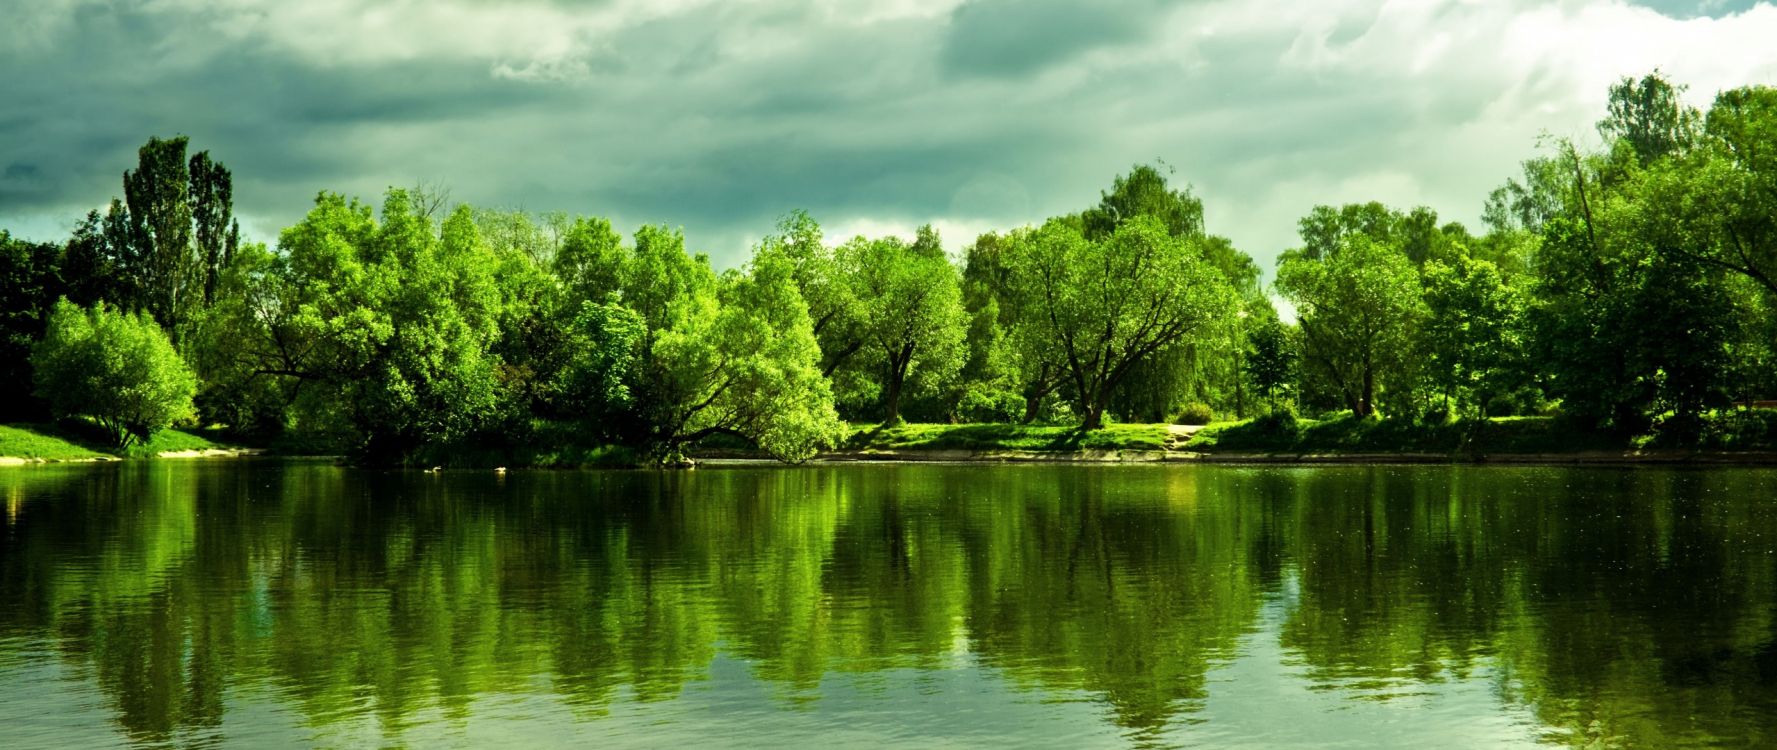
(1474, 335)
(1282, 433)
(1649, 116)
(600, 378)
(1739, 429)
(1195, 413)
(30, 284)
(1102, 307)
(735, 356)
(118, 369)
(1144, 192)
(1359, 308)
(1272, 360)
(591, 259)
(913, 323)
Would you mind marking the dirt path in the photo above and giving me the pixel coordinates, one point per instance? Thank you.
(1179, 434)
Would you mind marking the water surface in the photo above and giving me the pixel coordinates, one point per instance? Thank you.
(261, 603)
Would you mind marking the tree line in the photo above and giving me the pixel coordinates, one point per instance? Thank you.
(1628, 287)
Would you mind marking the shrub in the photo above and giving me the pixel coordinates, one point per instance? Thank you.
(117, 369)
(1195, 413)
(1277, 423)
(1740, 429)
(984, 405)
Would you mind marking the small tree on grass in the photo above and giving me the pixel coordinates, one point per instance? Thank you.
(1271, 360)
(117, 369)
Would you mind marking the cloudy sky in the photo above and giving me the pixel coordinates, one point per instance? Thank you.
(876, 116)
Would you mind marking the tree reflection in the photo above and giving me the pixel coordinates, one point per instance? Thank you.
(1617, 606)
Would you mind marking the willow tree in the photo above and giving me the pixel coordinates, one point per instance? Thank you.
(1106, 306)
(730, 355)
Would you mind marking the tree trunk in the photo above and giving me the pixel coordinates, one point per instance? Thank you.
(1094, 418)
(1033, 405)
(892, 414)
(1366, 402)
(1239, 397)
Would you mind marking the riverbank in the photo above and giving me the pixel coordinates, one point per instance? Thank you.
(1746, 439)
(1262, 441)
(41, 443)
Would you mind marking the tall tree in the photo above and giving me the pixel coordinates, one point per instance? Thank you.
(1107, 306)
(1144, 192)
(1031, 365)
(1474, 332)
(30, 284)
(1650, 116)
(158, 193)
(826, 283)
(1357, 306)
(914, 323)
(215, 232)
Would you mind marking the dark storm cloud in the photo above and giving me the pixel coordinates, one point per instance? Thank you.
(875, 116)
(1014, 37)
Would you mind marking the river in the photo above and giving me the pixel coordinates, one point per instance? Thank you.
(263, 603)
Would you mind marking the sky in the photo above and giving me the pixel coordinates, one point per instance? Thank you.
(718, 116)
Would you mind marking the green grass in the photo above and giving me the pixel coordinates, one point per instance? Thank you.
(173, 440)
(23, 442)
(1344, 434)
(69, 442)
(1008, 437)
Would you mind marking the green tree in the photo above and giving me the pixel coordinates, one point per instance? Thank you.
(158, 193)
(1109, 305)
(826, 279)
(30, 284)
(591, 259)
(1358, 306)
(1204, 367)
(1473, 335)
(1650, 117)
(1030, 365)
(383, 332)
(599, 381)
(913, 320)
(1272, 358)
(118, 369)
(90, 263)
(1144, 192)
(735, 355)
(1715, 205)
(215, 233)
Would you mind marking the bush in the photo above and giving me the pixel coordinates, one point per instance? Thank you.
(1740, 429)
(984, 405)
(1195, 413)
(117, 369)
(1279, 423)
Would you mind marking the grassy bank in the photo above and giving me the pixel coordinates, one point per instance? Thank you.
(72, 443)
(1007, 437)
(1282, 434)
